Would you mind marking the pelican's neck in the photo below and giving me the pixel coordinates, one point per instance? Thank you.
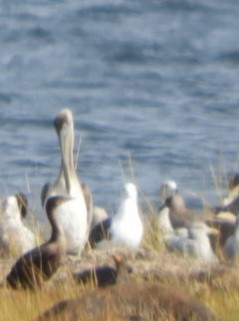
(67, 171)
(61, 177)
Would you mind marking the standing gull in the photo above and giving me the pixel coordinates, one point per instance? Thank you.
(74, 217)
(15, 237)
(42, 262)
(123, 229)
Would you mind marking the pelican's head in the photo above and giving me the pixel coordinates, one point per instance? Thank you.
(63, 119)
(131, 190)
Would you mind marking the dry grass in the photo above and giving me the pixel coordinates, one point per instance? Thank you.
(151, 264)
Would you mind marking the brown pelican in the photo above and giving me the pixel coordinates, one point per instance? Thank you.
(15, 237)
(42, 262)
(123, 229)
(74, 219)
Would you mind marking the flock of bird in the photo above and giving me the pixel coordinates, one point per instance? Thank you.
(199, 233)
(75, 221)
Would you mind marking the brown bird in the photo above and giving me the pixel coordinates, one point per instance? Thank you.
(42, 262)
(181, 216)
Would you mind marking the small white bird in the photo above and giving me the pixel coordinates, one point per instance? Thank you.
(15, 237)
(123, 229)
(195, 244)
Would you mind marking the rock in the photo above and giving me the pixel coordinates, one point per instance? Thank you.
(130, 301)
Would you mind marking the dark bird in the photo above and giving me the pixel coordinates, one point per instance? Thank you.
(101, 276)
(39, 264)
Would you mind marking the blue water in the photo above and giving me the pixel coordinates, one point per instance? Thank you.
(156, 82)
